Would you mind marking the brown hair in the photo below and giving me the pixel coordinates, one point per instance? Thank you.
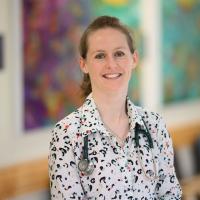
(99, 23)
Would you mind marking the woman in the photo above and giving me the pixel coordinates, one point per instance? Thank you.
(96, 152)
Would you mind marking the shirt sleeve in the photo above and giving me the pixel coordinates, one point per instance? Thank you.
(63, 173)
(168, 186)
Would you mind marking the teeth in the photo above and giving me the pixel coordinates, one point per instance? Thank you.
(111, 75)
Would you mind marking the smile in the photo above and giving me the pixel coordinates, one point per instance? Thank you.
(112, 76)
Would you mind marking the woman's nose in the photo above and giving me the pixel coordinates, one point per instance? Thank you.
(111, 62)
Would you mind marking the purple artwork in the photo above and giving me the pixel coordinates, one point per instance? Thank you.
(51, 32)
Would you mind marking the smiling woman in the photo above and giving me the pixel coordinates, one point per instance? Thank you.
(109, 61)
(96, 152)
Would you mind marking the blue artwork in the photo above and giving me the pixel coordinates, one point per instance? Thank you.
(180, 50)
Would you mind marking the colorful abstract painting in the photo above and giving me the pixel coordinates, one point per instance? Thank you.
(180, 50)
(51, 32)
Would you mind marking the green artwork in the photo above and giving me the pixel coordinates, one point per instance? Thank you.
(129, 13)
(180, 50)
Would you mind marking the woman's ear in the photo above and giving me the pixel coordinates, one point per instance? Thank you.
(135, 59)
(83, 66)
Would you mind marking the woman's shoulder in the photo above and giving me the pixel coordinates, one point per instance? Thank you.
(142, 113)
(155, 124)
(69, 125)
(148, 114)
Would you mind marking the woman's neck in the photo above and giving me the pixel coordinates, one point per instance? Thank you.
(112, 107)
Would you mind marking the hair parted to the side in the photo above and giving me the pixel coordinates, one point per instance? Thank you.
(100, 23)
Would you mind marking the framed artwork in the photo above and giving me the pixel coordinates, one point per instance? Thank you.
(180, 50)
(50, 73)
(51, 76)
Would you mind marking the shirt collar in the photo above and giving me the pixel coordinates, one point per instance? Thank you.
(91, 121)
(133, 115)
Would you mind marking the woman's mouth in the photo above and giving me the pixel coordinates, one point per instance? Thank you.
(112, 76)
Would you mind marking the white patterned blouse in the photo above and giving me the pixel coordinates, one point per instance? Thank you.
(127, 172)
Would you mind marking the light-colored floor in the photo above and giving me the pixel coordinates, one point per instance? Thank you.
(40, 195)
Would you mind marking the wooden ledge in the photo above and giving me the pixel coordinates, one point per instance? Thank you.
(190, 186)
(185, 135)
(24, 178)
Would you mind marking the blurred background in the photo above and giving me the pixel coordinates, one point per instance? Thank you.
(40, 78)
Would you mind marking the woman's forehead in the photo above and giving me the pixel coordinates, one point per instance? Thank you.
(105, 38)
(107, 31)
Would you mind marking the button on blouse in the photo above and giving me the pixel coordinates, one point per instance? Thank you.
(120, 172)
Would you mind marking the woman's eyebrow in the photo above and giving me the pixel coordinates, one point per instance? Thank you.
(120, 47)
(102, 51)
(97, 51)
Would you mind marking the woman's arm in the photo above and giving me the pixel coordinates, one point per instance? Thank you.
(168, 186)
(63, 172)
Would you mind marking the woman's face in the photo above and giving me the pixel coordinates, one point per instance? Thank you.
(109, 61)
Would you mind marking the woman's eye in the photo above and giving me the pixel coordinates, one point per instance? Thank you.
(100, 56)
(119, 53)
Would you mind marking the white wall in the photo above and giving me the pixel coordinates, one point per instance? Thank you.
(15, 146)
